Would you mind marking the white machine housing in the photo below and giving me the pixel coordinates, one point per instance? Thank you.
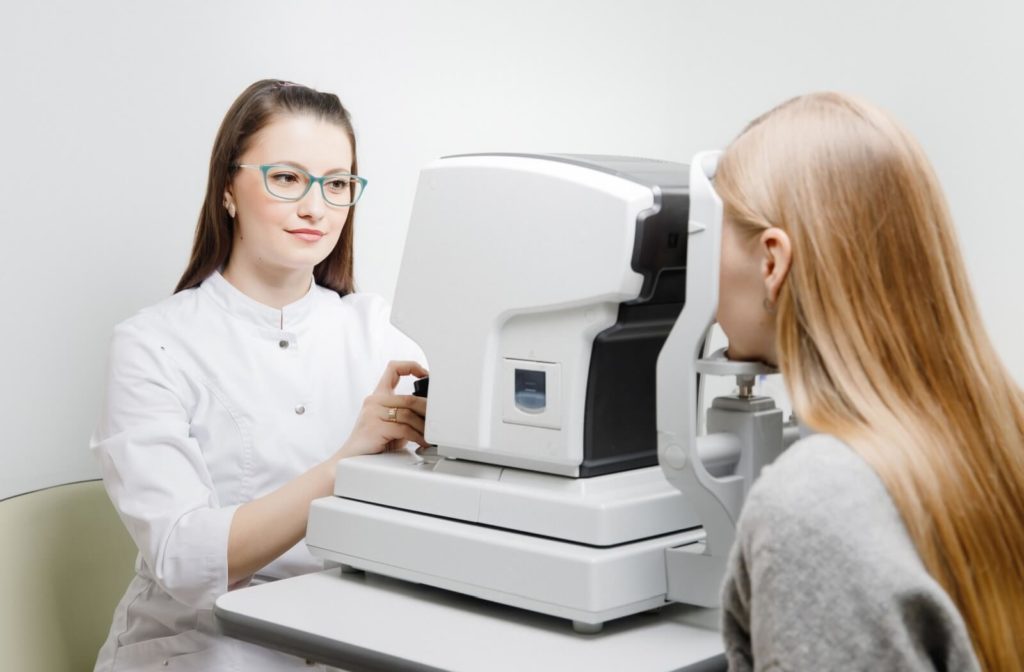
(513, 264)
(517, 264)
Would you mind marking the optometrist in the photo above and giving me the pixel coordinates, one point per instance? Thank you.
(230, 403)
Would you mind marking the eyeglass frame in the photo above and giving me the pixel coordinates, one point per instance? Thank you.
(265, 168)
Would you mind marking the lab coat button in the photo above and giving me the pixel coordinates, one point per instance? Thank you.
(300, 409)
(283, 344)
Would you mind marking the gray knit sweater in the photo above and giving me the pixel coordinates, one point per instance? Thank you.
(823, 575)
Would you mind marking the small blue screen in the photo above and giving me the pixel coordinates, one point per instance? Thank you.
(530, 392)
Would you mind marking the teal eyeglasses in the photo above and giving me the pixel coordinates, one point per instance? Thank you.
(290, 183)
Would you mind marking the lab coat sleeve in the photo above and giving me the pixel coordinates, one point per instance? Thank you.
(392, 343)
(155, 473)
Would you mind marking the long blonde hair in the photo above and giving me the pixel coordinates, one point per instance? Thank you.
(881, 343)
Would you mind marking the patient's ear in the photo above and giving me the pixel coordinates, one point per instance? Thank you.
(776, 262)
(229, 203)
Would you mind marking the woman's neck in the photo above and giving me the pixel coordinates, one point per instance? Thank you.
(274, 287)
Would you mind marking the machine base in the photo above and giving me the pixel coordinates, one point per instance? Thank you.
(586, 584)
(607, 510)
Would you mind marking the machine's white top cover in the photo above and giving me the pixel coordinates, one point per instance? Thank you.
(509, 259)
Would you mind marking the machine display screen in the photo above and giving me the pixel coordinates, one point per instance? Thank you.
(530, 392)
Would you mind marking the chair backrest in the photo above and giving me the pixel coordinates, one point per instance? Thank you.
(65, 561)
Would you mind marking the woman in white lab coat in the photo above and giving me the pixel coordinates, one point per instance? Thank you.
(230, 403)
(892, 538)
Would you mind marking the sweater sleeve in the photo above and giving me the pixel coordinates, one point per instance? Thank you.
(155, 474)
(824, 575)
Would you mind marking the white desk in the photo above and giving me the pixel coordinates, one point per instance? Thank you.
(364, 622)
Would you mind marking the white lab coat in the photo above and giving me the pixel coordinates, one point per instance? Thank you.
(213, 400)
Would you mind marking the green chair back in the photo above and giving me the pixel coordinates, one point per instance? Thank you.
(65, 561)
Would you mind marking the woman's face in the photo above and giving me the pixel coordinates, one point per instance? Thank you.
(742, 291)
(275, 235)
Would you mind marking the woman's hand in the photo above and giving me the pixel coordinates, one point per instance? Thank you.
(388, 420)
(266, 527)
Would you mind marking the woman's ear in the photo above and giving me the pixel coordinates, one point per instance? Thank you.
(778, 257)
(229, 203)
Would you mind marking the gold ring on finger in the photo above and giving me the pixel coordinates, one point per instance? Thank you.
(392, 415)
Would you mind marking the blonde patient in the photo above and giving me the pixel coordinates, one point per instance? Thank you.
(893, 538)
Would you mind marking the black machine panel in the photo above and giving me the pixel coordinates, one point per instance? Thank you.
(620, 422)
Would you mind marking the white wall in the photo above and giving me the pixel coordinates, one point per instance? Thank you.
(109, 108)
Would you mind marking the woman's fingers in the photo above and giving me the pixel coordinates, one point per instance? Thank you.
(417, 405)
(400, 433)
(404, 416)
(403, 409)
(394, 372)
(390, 420)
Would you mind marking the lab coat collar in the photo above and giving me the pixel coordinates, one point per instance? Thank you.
(231, 299)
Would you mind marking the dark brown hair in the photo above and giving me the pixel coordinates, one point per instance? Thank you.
(249, 114)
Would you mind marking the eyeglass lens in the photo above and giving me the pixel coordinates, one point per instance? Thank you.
(292, 184)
